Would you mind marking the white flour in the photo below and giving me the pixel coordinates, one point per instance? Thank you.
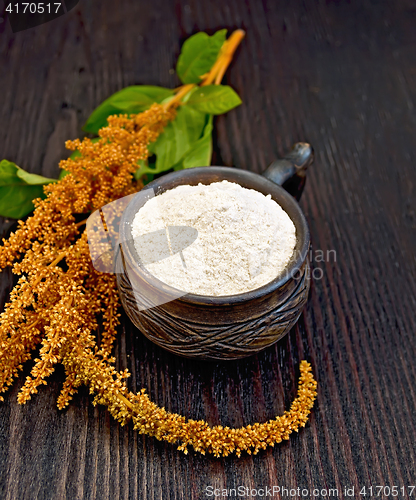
(244, 239)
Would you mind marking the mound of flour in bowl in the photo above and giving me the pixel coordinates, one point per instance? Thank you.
(243, 241)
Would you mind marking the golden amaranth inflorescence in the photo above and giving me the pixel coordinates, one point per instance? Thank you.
(60, 299)
(57, 308)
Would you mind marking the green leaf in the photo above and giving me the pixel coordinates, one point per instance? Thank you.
(201, 151)
(199, 53)
(177, 138)
(134, 99)
(7, 172)
(32, 179)
(18, 188)
(143, 169)
(139, 97)
(214, 99)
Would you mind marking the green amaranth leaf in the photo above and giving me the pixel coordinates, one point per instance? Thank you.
(32, 179)
(201, 151)
(144, 168)
(214, 99)
(134, 99)
(198, 55)
(18, 188)
(177, 138)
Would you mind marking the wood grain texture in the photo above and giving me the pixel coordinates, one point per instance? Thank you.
(339, 75)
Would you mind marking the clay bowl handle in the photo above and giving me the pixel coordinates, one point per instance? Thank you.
(290, 171)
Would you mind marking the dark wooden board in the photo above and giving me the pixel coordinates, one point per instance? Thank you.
(341, 75)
